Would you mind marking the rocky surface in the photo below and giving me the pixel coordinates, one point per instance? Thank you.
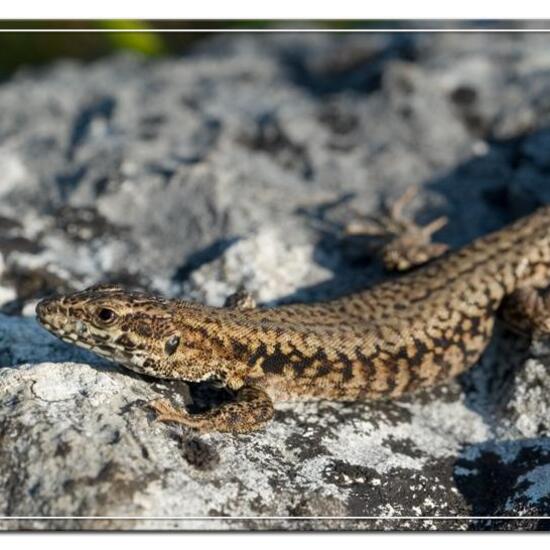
(235, 166)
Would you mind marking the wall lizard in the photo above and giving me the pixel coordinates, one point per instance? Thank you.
(417, 330)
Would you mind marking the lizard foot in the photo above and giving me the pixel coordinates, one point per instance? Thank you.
(168, 413)
(527, 311)
(251, 410)
(405, 244)
(240, 300)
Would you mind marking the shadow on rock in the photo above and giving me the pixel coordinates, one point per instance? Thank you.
(505, 478)
(23, 340)
(203, 256)
(490, 385)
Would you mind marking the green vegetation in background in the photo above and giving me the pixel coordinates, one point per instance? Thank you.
(18, 49)
(146, 43)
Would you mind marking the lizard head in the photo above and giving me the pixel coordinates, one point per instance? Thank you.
(131, 328)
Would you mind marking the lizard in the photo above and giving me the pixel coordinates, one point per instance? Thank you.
(417, 330)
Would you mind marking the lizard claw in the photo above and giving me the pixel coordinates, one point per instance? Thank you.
(396, 208)
(168, 413)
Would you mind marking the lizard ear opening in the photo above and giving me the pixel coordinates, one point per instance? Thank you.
(171, 344)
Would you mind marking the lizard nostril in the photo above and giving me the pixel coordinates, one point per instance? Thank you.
(42, 308)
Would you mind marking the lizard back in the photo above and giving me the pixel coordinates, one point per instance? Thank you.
(417, 330)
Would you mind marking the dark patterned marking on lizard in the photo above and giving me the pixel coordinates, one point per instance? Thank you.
(172, 344)
(125, 341)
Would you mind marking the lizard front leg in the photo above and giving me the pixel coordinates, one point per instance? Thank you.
(405, 244)
(250, 411)
(241, 300)
(527, 311)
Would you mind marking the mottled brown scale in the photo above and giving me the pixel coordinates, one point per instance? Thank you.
(414, 331)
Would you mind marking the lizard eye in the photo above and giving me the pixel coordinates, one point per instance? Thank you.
(106, 316)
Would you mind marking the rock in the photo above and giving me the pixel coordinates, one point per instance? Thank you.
(237, 167)
(264, 265)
